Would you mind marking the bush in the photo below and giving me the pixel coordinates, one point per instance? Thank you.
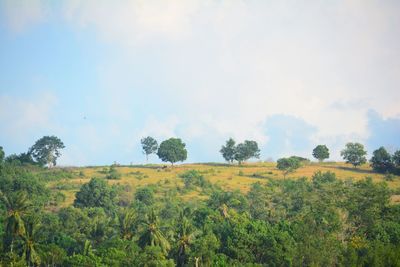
(145, 195)
(113, 174)
(96, 193)
(389, 177)
(194, 178)
(381, 161)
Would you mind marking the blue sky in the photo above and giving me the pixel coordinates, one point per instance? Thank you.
(288, 74)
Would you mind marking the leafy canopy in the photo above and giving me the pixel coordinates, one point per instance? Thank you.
(321, 152)
(354, 153)
(288, 165)
(246, 150)
(149, 145)
(96, 193)
(381, 161)
(46, 150)
(1, 154)
(228, 151)
(172, 150)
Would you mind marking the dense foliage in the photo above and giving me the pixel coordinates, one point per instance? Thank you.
(321, 152)
(172, 150)
(149, 146)
(46, 150)
(354, 153)
(240, 152)
(321, 221)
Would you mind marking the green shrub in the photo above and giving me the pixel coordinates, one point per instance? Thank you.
(194, 178)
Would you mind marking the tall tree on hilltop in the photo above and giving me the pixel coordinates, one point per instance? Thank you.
(172, 150)
(321, 152)
(46, 150)
(354, 153)
(228, 151)
(149, 146)
(246, 150)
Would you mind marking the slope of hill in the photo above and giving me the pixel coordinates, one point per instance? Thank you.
(228, 177)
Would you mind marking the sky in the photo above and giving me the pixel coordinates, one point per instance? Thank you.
(101, 75)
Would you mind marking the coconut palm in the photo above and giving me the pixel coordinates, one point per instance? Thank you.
(126, 220)
(186, 235)
(152, 234)
(17, 206)
(30, 242)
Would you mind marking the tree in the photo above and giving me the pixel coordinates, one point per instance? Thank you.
(1, 154)
(321, 152)
(17, 206)
(185, 238)
(172, 150)
(126, 219)
(381, 161)
(228, 151)
(46, 150)
(248, 149)
(396, 159)
(30, 244)
(149, 146)
(145, 195)
(152, 235)
(96, 193)
(23, 158)
(354, 153)
(288, 165)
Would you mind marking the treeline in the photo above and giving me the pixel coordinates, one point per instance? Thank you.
(318, 222)
(47, 150)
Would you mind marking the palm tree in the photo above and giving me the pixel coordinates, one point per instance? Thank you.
(126, 220)
(152, 235)
(16, 206)
(87, 248)
(30, 246)
(186, 235)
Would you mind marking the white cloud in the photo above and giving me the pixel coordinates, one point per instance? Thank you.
(234, 63)
(228, 65)
(161, 129)
(22, 14)
(20, 116)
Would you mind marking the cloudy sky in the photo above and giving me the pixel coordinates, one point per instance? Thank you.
(289, 74)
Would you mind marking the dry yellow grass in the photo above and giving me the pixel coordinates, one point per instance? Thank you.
(228, 177)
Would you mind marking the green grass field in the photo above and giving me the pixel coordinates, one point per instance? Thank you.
(229, 177)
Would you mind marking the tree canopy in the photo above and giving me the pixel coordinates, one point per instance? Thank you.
(149, 146)
(95, 193)
(354, 153)
(288, 165)
(46, 150)
(246, 150)
(228, 151)
(2, 154)
(321, 152)
(172, 150)
(381, 161)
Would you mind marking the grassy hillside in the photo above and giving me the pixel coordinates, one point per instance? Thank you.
(229, 177)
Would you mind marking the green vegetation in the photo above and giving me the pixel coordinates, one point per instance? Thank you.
(288, 165)
(354, 153)
(228, 150)
(321, 152)
(172, 150)
(241, 152)
(46, 150)
(381, 161)
(197, 215)
(149, 146)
